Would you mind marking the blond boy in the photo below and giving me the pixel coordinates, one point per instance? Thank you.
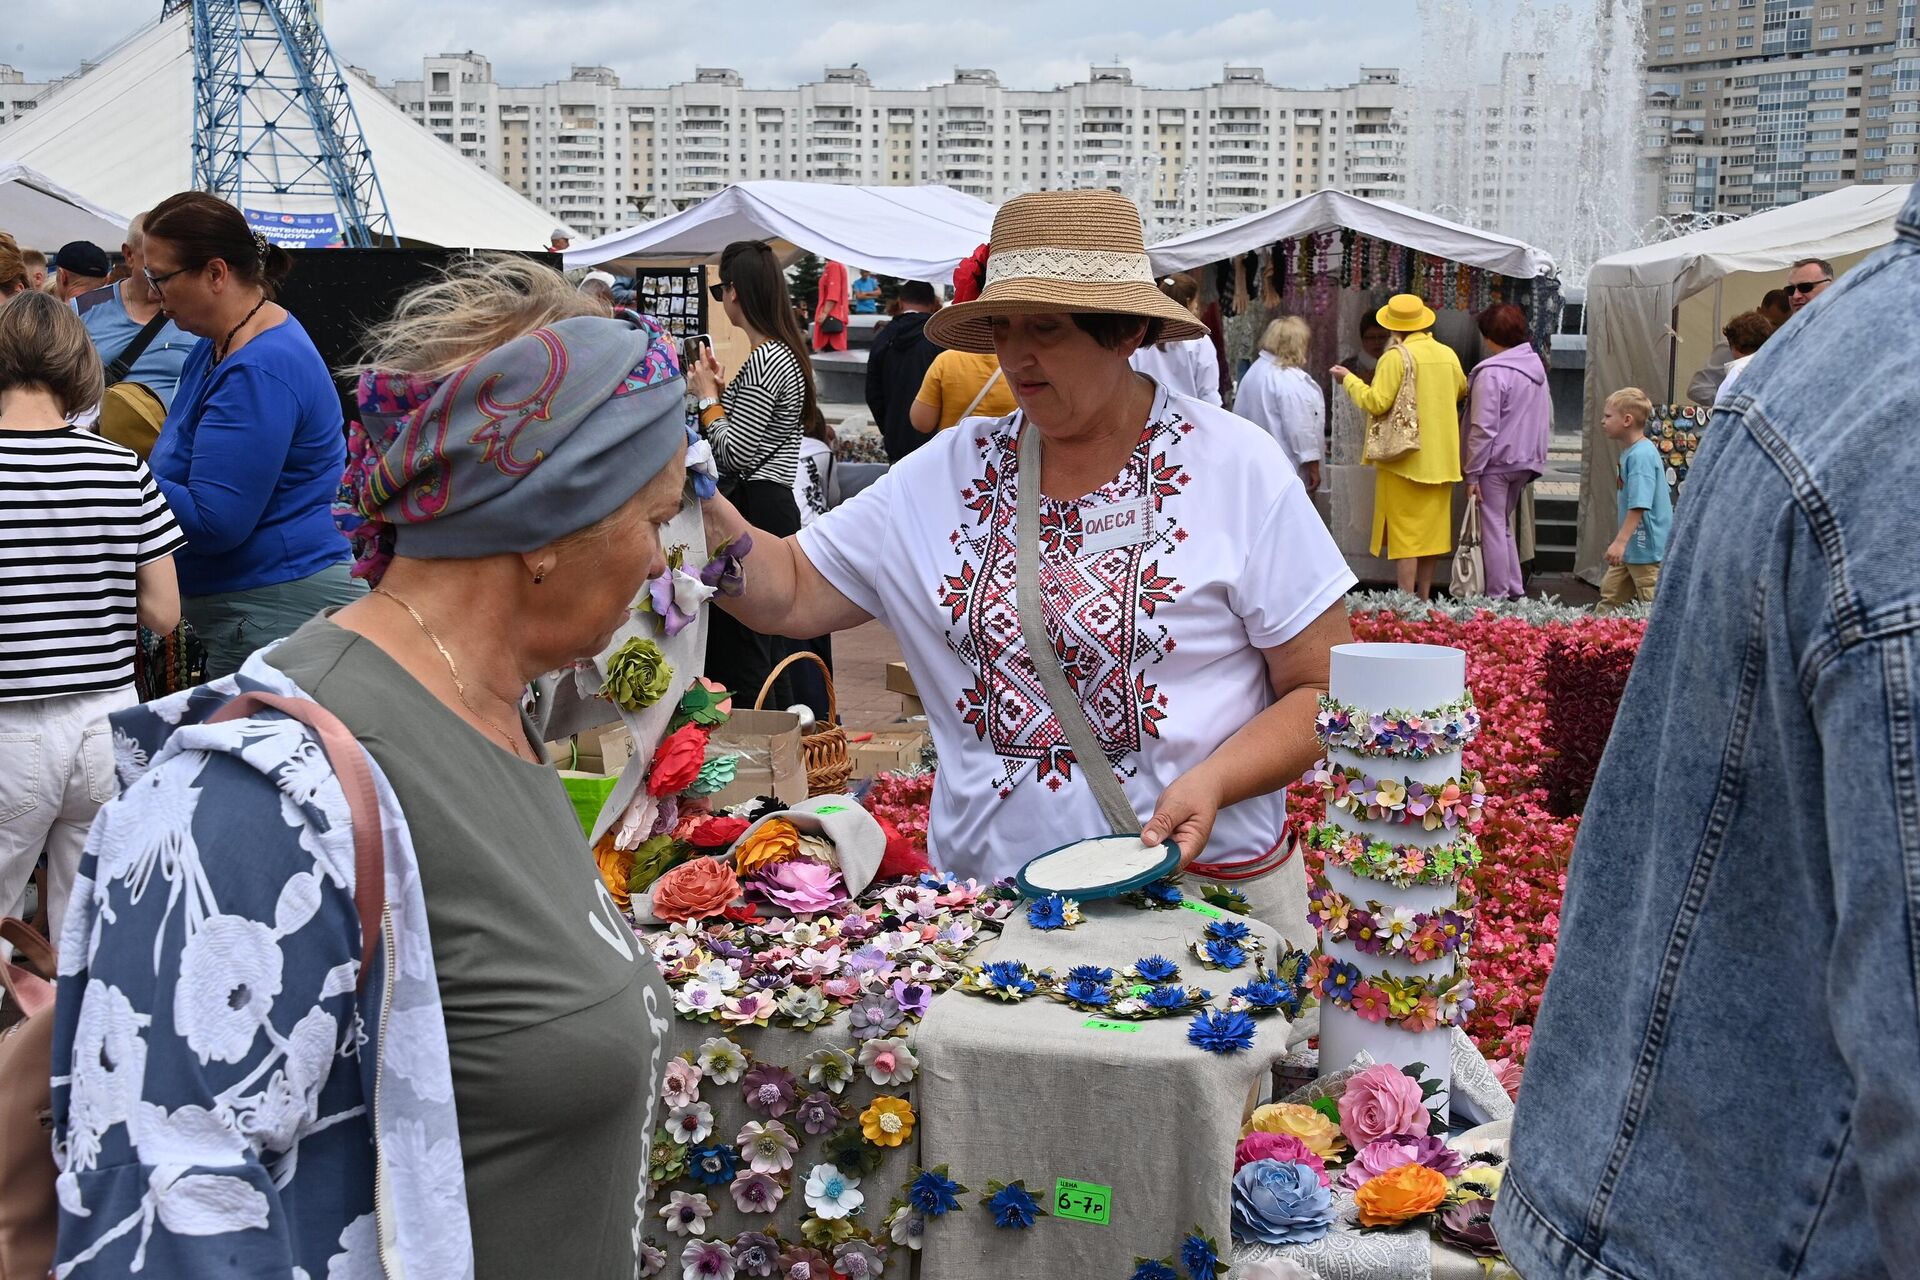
(1646, 512)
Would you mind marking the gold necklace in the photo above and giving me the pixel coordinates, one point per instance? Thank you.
(513, 740)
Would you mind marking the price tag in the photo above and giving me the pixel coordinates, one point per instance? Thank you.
(1107, 1024)
(1083, 1201)
(1205, 910)
(831, 808)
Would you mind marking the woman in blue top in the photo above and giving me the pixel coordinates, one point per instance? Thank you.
(253, 446)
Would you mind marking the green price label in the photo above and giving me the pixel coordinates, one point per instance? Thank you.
(831, 808)
(1203, 908)
(1139, 989)
(1107, 1024)
(1083, 1201)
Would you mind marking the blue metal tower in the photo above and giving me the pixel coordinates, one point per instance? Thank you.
(272, 116)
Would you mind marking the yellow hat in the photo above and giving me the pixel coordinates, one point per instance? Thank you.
(1405, 313)
(1063, 251)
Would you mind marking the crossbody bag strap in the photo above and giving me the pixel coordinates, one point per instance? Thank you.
(123, 363)
(981, 394)
(1072, 717)
(355, 773)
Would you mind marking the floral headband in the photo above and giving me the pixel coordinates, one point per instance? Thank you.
(1410, 735)
(1375, 929)
(1412, 1004)
(1433, 805)
(1400, 865)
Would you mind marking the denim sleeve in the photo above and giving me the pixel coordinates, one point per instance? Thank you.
(1865, 707)
(204, 1042)
(239, 450)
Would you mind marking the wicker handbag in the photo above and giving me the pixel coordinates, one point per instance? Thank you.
(829, 761)
(1396, 433)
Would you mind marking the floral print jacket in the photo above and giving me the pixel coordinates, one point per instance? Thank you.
(224, 1103)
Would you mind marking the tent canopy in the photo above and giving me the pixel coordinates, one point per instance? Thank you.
(1331, 210)
(41, 214)
(910, 233)
(123, 132)
(1654, 313)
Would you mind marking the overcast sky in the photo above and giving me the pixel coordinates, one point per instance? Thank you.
(776, 43)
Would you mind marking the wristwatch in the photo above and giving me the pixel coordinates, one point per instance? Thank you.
(704, 403)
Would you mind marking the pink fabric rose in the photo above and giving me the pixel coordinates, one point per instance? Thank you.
(799, 885)
(1284, 1147)
(1507, 1072)
(1381, 1100)
(1397, 1149)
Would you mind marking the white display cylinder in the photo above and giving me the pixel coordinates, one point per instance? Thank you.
(1376, 678)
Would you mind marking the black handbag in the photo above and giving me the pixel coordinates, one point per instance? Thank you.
(832, 325)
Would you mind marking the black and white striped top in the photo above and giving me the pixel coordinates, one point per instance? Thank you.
(78, 515)
(761, 429)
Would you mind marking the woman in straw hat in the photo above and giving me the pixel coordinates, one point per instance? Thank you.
(1413, 494)
(1190, 591)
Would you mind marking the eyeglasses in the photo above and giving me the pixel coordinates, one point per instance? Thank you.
(718, 292)
(1808, 286)
(157, 283)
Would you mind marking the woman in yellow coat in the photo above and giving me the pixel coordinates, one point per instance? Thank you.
(1413, 494)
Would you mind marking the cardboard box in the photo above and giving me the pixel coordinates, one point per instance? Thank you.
(900, 680)
(889, 751)
(768, 759)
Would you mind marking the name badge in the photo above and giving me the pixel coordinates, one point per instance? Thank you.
(1121, 524)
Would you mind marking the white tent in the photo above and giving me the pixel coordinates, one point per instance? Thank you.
(39, 213)
(1654, 313)
(1330, 210)
(910, 233)
(123, 132)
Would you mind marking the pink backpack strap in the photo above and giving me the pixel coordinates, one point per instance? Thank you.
(355, 773)
(31, 992)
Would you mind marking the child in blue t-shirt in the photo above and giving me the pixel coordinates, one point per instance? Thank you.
(1646, 512)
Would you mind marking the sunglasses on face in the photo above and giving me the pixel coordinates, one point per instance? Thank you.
(1808, 286)
(718, 292)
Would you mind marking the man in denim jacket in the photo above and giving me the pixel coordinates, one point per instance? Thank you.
(1725, 1079)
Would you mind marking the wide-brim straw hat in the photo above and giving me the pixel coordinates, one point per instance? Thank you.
(1055, 251)
(1405, 313)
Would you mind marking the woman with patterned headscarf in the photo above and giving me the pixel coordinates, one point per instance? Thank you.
(504, 493)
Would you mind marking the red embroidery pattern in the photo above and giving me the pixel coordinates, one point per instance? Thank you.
(1102, 611)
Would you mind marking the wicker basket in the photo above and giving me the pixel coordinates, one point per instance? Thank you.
(829, 762)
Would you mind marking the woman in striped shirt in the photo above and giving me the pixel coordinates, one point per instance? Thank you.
(755, 425)
(86, 551)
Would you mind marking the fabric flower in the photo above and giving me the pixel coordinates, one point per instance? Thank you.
(800, 886)
(1099, 975)
(716, 833)
(831, 1069)
(1397, 1149)
(872, 1019)
(1228, 931)
(690, 1125)
(1168, 997)
(1399, 1195)
(818, 1114)
(1164, 893)
(1276, 1203)
(1080, 991)
(757, 1193)
(726, 572)
(768, 1089)
(711, 1165)
(906, 1228)
(775, 840)
(1156, 969)
(695, 890)
(1013, 1206)
(832, 1194)
(650, 1259)
(1381, 1100)
(858, 1260)
(1219, 1032)
(889, 1062)
(1218, 954)
(686, 1213)
(768, 1147)
(615, 866)
(1469, 1226)
(638, 675)
(914, 998)
(680, 1086)
(1153, 1269)
(677, 760)
(798, 1262)
(888, 1122)
(932, 1193)
(1053, 912)
(1507, 1071)
(706, 1260)
(720, 1060)
(755, 1254)
(849, 1151)
(804, 1007)
(1370, 1002)
(1283, 1147)
(1321, 1135)
(1200, 1256)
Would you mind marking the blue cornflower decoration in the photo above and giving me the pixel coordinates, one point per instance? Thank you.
(1229, 931)
(1049, 912)
(1164, 893)
(713, 1165)
(1013, 1206)
(1156, 969)
(1083, 992)
(1090, 973)
(1200, 1256)
(1153, 1269)
(1263, 994)
(1218, 1032)
(933, 1193)
(1223, 955)
(1167, 997)
(1009, 975)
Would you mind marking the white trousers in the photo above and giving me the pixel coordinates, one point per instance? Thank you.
(56, 770)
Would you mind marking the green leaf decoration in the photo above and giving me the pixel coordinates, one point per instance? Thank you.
(1328, 1108)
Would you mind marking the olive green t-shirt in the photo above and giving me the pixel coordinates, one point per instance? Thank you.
(546, 992)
